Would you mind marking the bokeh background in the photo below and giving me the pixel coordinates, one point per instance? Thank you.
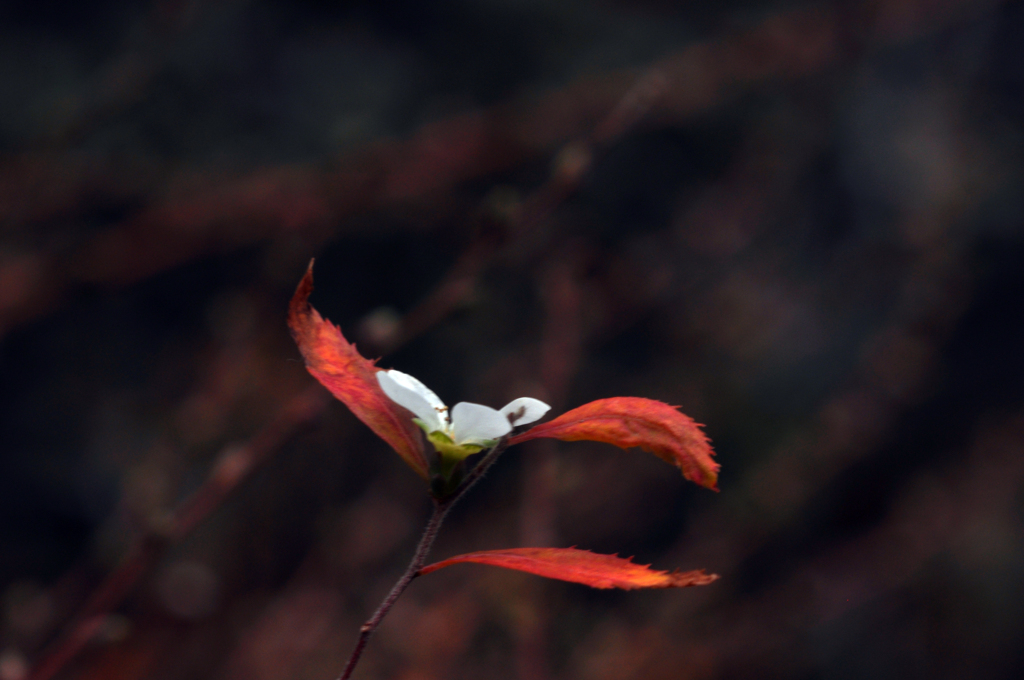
(799, 221)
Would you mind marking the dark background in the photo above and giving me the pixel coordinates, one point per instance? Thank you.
(799, 221)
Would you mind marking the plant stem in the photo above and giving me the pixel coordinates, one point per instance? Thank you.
(441, 509)
(479, 469)
(426, 541)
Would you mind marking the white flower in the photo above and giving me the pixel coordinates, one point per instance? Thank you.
(468, 428)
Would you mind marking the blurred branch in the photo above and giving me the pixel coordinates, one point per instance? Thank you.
(188, 215)
(234, 464)
(520, 221)
(937, 515)
(209, 212)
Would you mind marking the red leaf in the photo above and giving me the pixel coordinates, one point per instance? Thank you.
(580, 566)
(350, 377)
(632, 421)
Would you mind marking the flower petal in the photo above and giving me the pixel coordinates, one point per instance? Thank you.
(525, 410)
(476, 424)
(409, 392)
(411, 383)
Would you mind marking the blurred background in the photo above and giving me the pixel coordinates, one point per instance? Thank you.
(799, 221)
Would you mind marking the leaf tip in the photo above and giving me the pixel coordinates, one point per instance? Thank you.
(685, 579)
(350, 377)
(299, 309)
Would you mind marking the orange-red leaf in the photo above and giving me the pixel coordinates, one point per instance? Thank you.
(350, 377)
(580, 566)
(632, 421)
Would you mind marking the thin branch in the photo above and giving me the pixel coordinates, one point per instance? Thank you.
(480, 469)
(441, 509)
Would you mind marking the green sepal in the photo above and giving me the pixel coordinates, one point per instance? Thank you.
(449, 450)
(445, 477)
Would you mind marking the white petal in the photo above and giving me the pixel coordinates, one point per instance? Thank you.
(409, 392)
(411, 383)
(474, 423)
(528, 408)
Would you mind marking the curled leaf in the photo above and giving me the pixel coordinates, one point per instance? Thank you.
(633, 421)
(350, 377)
(580, 566)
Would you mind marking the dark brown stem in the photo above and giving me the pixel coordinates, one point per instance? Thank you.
(441, 509)
(480, 469)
